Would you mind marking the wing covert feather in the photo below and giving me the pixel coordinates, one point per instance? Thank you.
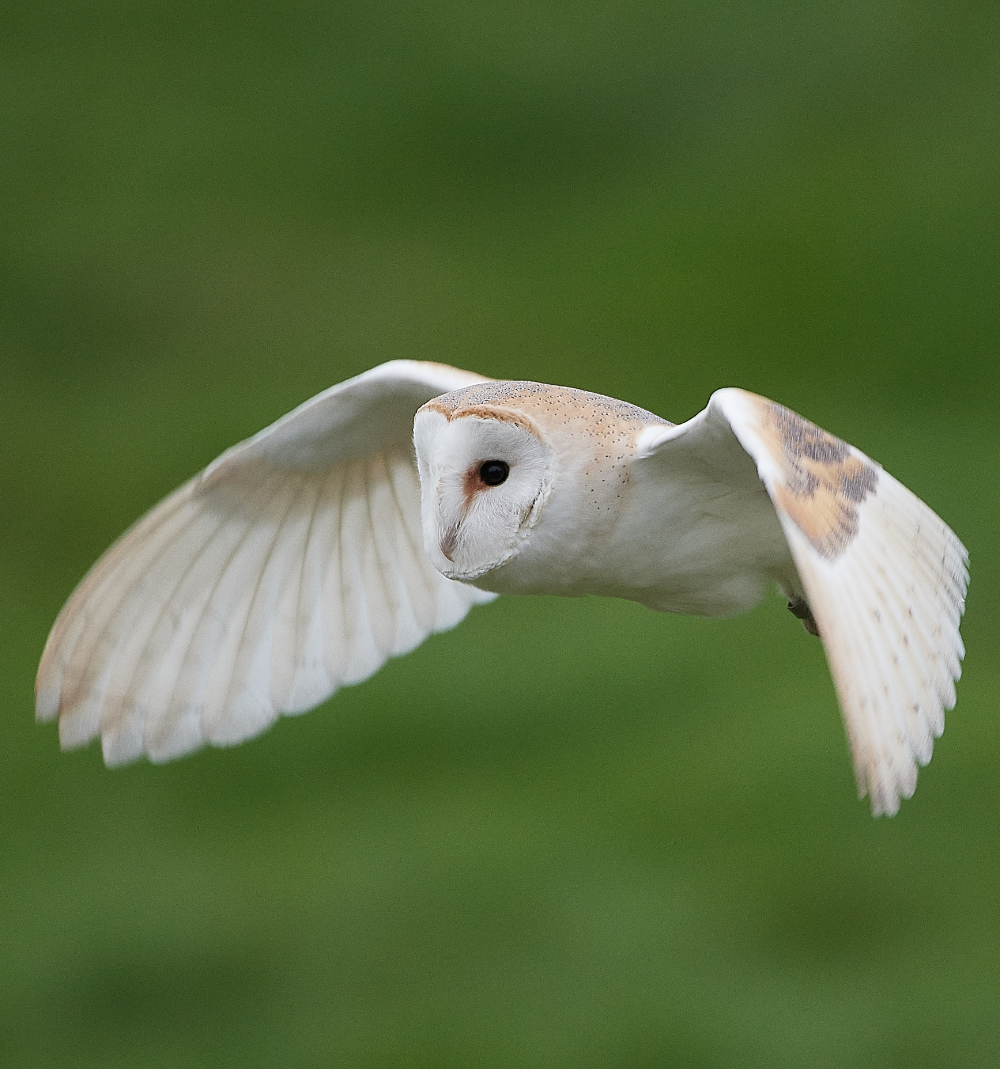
(292, 566)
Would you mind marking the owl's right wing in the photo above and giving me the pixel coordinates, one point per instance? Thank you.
(293, 565)
(884, 577)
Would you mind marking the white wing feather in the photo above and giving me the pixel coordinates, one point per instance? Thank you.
(292, 566)
(884, 577)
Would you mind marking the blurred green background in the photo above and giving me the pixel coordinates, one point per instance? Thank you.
(567, 835)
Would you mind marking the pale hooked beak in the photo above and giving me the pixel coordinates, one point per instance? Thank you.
(448, 542)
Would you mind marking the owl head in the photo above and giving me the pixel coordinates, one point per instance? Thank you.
(485, 475)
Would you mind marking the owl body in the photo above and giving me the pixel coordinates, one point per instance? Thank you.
(383, 509)
(700, 547)
(668, 535)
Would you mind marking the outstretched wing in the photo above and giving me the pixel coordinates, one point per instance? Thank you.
(291, 566)
(884, 577)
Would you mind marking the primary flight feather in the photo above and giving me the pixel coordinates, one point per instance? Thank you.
(383, 509)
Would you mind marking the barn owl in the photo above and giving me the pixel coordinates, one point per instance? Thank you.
(384, 508)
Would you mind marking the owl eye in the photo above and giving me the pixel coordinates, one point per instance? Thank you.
(494, 472)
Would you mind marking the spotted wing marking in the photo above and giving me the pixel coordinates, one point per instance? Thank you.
(824, 480)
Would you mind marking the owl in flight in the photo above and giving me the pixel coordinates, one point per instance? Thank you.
(384, 508)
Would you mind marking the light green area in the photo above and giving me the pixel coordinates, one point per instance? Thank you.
(567, 835)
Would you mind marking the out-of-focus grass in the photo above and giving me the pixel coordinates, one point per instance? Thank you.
(569, 834)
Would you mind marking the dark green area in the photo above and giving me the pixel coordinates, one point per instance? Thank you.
(567, 835)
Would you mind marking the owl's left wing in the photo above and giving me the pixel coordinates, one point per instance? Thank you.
(884, 577)
(293, 565)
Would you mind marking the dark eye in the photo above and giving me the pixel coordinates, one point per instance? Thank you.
(494, 472)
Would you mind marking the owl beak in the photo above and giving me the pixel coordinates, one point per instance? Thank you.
(449, 541)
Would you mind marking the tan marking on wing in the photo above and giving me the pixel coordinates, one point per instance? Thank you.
(451, 370)
(824, 481)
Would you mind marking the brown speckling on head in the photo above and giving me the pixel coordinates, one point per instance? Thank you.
(823, 480)
(601, 429)
(507, 400)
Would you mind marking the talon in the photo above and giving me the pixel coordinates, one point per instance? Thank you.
(800, 608)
